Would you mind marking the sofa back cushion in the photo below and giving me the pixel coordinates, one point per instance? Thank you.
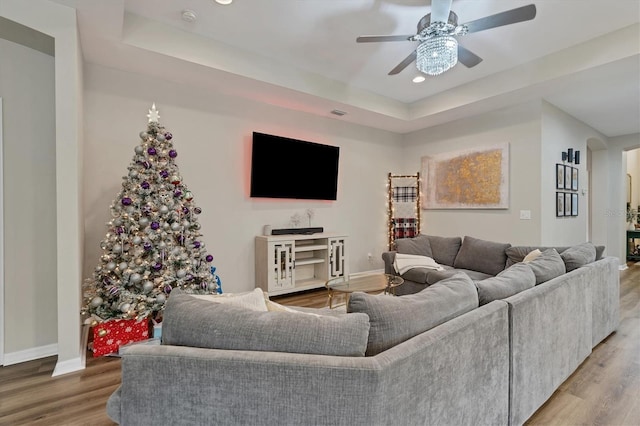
(444, 249)
(396, 319)
(482, 255)
(188, 321)
(579, 255)
(417, 245)
(547, 266)
(516, 254)
(511, 281)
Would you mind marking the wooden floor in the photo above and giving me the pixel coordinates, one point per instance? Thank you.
(605, 390)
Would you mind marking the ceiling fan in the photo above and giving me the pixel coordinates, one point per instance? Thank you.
(438, 50)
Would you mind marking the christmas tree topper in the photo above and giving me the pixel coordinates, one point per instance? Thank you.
(154, 114)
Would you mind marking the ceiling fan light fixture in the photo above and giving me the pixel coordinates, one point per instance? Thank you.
(437, 54)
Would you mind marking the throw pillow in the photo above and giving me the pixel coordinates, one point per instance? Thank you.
(547, 266)
(417, 245)
(444, 249)
(253, 300)
(532, 255)
(579, 255)
(396, 319)
(482, 256)
(190, 321)
(511, 281)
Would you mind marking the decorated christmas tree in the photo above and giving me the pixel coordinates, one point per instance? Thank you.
(152, 244)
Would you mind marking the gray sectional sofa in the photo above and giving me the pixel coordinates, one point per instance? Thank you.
(461, 351)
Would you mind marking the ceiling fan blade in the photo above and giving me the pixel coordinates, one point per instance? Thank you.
(467, 57)
(520, 14)
(402, 65)
(440, 10)
(370, 39)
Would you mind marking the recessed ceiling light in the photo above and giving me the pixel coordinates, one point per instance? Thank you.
(225, 2)
(189, 15)
(418, 79)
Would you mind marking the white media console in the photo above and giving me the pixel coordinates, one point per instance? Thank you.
(290, 263)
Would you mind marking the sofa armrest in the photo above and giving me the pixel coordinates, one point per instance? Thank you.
(389, 257)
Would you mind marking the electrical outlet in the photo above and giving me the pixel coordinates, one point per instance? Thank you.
(370, 257)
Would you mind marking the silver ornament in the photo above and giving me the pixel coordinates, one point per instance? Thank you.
(111, 266)
(135, 278)
(144, 221)
(117, 222)
(143, 136)
(136, 240)
(161, 298)
(96, 301)
(181, 273)
(147, 286)
(160, 137)
(122, 266)
(164, 209)
(116, 248)
(125, 307)
(175, 226)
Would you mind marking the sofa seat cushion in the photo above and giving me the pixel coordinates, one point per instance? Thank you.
(188, 321)
(396, 319)
(579, 255)
(512, 280)
(482, 255)
(547, 266)
(436, 276)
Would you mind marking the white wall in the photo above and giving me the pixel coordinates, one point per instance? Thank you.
(30, 314)
(60, 23)
(633, 168)
(560, 132)
(518, 126)
(212, 134)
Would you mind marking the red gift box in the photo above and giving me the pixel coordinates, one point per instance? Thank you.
(108, 336)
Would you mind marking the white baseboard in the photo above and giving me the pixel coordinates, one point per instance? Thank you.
(623, 267)
(369, 272)
(30, 354)
(68, 366)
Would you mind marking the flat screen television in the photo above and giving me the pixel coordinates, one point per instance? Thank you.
(291, 168)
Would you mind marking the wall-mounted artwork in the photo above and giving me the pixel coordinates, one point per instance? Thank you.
(477, 178)
(559, 204)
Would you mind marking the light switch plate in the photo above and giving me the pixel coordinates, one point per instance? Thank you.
(525, 214)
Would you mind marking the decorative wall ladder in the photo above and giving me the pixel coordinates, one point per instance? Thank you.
(403, 207)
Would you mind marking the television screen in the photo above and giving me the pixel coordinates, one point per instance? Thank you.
(290, 168)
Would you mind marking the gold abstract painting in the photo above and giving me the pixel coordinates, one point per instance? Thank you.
(471, 179)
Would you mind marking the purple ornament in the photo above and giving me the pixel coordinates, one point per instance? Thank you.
(180, 239)
(106, 281)
(177, 193)
(119, 230)
(204, 285)
(157, 266)
(151, 151)
(189, 277)
(145, 185)
(196, 244)
(126, 201)
(168, 288)
(146, 210)
(146, 165)
(197, 210)
(209, 258)
(173, 153)
(164, 174)
(155, 225)
(168, 136)
(147, 246)
(113, 290)
(185, 210)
